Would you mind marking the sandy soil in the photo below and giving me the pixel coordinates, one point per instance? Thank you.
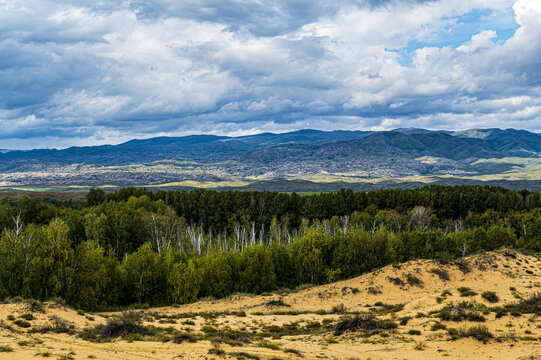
(511, 275)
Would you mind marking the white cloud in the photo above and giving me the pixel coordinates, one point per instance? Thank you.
(90, 69)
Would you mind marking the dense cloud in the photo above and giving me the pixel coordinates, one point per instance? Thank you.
(85, 72)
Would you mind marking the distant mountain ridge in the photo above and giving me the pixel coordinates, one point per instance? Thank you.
(400, 152)
(476, 143)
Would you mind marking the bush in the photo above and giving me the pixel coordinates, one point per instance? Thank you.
(438, 326)
(6, 348)
(34, 306)
(531, 305)
(129, 323)
(414, 280)
(442, 273)
(364, 323)
(58, 325)
(339, 309)
(184, 337)
(28, 317)
(276, 302)
(466, 291)
(414, 332)
(490, 296)
(479, 332)
(22, 323)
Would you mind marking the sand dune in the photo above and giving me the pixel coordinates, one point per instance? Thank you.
(301, 324)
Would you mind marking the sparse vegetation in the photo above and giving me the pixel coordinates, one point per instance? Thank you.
(479, 332)
(466, 291)
(442, 273)
(367, 324)
(490, 296)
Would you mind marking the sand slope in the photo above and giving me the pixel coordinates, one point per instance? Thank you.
(417, 286)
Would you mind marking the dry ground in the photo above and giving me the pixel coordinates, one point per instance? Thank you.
(301, 324)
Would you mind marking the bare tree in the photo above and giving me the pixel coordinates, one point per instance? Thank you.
(421, 216)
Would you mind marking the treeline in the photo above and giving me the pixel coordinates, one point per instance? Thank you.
(136, 246)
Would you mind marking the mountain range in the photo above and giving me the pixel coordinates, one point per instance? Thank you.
(269, 156)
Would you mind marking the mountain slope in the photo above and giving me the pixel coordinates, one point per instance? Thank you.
(366, 154)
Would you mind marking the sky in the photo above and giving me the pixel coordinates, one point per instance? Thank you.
(86, 72)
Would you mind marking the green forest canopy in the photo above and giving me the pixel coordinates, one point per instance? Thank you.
(135, 246)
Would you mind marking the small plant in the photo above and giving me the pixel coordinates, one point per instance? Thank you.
(28, 317)
(34, 306)
(276, 302)
(216, 350)
(56, 325)
(44, 354)
(466, 291)
(184, 337)
(339, 309)
(244, 355)
(267, 345)
(438, 326)
(129, 323)
(22, 323)
(293, 351)
(442, 273)
(396, 280)
(365, 323)
(490, 296)
(11, 317)
(414, 332)
(532, 305)
(446, 293)
(419, 345)
(6, 348)
(479, 332)
(414, 280)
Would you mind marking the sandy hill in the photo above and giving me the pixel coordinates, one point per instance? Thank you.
(487, 307)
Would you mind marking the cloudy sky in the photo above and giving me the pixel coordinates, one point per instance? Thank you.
(85, 72)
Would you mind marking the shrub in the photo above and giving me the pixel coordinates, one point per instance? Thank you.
(267, 345)
(27, 317)
(339, 309)
(244, 355)
(276, 302)
(438, 326)
(396, 280)
(22, 323)
(364, 323)
(414, 280)
(531, 305)
(184, 337)
(34, 306)
(442, 273)
(479, 332)
(466, 291)
(293, 351)
(128, 323)
(57, 325)
(414, 332)
(6, 348)
(490, 296)
(446, 293)
(405, 320)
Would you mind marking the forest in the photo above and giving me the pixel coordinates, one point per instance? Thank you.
(137, 247)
